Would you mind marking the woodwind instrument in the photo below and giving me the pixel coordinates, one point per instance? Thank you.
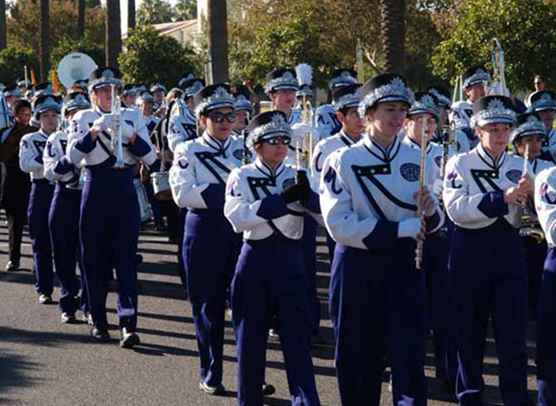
(447, 141)
(116, 141)
(420, 209)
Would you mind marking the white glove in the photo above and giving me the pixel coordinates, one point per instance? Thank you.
(106, 122)
(438, 187)
(409, 228)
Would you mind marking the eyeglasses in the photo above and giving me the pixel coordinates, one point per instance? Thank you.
(218, 117)
(278, 140)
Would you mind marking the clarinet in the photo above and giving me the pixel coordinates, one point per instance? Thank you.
(420, 209)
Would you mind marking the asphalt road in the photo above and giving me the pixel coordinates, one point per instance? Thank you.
(43, 362)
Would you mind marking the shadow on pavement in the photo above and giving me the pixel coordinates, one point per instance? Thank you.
(14, 373)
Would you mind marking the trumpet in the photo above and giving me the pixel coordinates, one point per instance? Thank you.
(420, 209)
(116, 142)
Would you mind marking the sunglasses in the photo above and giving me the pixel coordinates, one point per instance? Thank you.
(218, 117)
(278, 140)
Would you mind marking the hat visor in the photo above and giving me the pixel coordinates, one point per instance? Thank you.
(215, 106)
(97, 84)
(342, 106)
(285, 86)
(481, 122)
(417, 111)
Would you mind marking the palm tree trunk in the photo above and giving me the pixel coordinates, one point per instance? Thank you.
(44, 39)
(130, 14)
(113, 33)
(3, 31)
(393, 34)
(217, 41)
(80, 19)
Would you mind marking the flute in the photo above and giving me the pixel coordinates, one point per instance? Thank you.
(420, 209)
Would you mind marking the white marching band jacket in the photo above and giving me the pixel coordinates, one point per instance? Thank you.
(474, 188)
(31, 149)
(94, 152)
(325, 121)
(322, 150)
(545, 203)
(57, 166)
(367, 190)
(182, 125)
(200, 170)
(254, 205)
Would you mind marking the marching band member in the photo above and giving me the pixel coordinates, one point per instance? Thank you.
(436, 246)
(183, 123)
(545, 204)
(12, 94)
(345, 102)
(16, 185)
(377, 297)
(129, 96)
(484, 190)
(326, 122)
(46, 109)
(146, 105)
(198, 178)
(530, 134)
(63, 219)
(460, 142)
(281, 85)
(158, 92)
(264, 201)
(243, 108)
(108, 236)
(544, 104)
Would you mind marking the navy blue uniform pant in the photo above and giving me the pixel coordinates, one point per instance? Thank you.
(309, 241)
(489, 279)
(37, 212)
(270, 284)
(440, 306)
(63, 220)
(377, 307)
(546, 333)
(535, 254)
(109, 229)
(210, 251)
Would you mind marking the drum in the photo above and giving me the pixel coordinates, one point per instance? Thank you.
(161, 186)
(145, 209)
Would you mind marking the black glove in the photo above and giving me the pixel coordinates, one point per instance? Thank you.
(300, 191)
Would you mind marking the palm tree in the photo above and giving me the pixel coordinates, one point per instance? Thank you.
(44, 39)
(393, 34)
(3, 32)
(131, 14)
(217, 40)
(113, 33)
(80, 19)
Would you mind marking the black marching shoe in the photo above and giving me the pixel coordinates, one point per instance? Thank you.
(129, 338)
(68, 318)
(217, 390)
(268, 389)
(12, 266)
(100, 335)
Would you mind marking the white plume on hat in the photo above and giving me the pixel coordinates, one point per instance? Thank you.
(304, 74)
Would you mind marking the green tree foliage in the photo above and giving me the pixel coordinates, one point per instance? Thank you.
(155, 12)
(323, 33)
(185, 10)
(23, 23)
(523, 28)
(13, 59)
(150, 57)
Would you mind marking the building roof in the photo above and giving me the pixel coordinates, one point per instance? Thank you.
(168, 28)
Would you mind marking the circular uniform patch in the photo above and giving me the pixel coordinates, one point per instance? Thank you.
(239, 154)
(410, 172)
(287, 183)
(513, 175)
